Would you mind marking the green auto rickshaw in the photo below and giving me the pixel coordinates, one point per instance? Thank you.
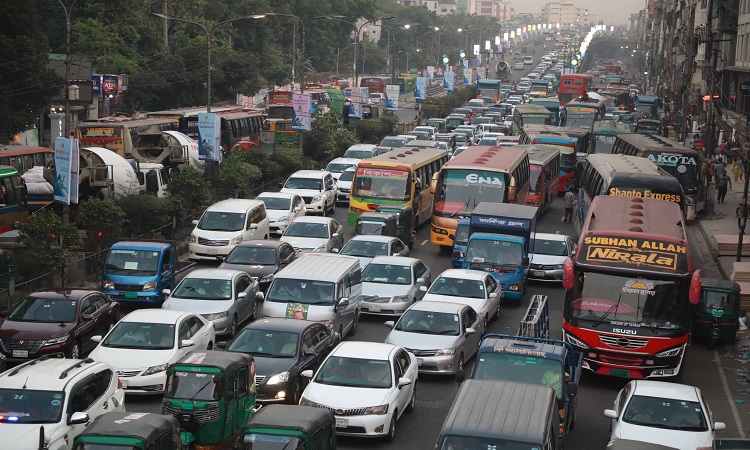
(291, 427)
(377, 223)
(718, 311)
(212, 394)
(404, 222)
(131, 431)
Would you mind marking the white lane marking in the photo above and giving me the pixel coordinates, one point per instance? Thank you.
(728, 393)
(424, 242)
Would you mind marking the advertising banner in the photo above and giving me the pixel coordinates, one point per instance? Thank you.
(63, 155)
(466, 64)
(467, 77)
(301, 112)
(391, 96)
(431, 72)
(420, 91)
(209, 137)
(448, 81)
(109, 84)
(355, 110)
(74, 171)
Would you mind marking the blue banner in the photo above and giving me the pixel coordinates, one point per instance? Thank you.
(448, 81)
(431, 72)
(392, 92)
(209, 137)
(301, 112)
(63, 156)
(420, 91)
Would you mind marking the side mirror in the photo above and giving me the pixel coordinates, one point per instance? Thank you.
(309, 352)
(344, 302)
(220, 259)
(460, 375)
(186, 343)
(281, 185)
(335, 250)
(195, 222)
(166, 291)
(525, 261)
(335, 235)
(390, 324)
(403, 382)
(611, 413)
(469, 332)
(307, 373)
(259, 296)
(493, 294)
(241, 295)
(97, 338)
(78, 418)
(572, 388)
(420, 280)
(452, 237)
(87, 317)
(221, 344)
(253, 226)
(423, 288)
(718, 426)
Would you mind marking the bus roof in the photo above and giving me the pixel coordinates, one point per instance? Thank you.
(610, 127)
(190, 111)
(16, 150)
(573, 132)
(414, 155)
(541, 154)
(531, 108)
(654, 142)
(635, 216)
(490, 158)
(129, 121)
(611, 165)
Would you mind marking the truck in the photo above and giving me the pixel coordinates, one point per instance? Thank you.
(140, 272)
(529, 358)
(502, 71)
(489, 89)
(172, 149)
(499, 235)
(540, 87)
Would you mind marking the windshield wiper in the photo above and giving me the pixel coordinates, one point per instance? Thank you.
(650, 324)
(465, 208)
(262, 354)
(210, 380)
(612, 308)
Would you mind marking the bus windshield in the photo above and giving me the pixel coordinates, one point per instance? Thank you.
(568, 160)
(381, 183)
(494, 252)
(636, 302)
(579, 119)
(461, 190)
(603, 143)
(534, 120)
(280, 112)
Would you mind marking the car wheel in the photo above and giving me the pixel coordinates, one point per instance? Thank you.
(392, 428)
(355, 325)
(485, 324)
(496, 316)
(413, 400)
(333, 208)
(210, 346)
(297, 393)
(460, 364)
(233, 327)
(75, 351)
(572, 423)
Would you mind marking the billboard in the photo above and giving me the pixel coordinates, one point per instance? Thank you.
(391, 97)
(301, 113)
(63, 157)
(420, 91)
(448, 81)
(209, 137)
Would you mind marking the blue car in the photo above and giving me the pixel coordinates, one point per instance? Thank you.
(460, 242)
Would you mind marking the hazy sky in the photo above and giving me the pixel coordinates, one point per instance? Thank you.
(611, 11)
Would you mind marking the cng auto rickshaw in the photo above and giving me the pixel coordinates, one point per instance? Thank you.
(212, 394)
(377, 223)
(404, 222)
(290, 427)
(718, 311)
(131, 431)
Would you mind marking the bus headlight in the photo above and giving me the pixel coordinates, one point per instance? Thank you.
(439, 231)
(575, 341)
(671, 352)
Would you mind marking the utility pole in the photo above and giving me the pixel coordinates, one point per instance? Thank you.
(708, 76)
(165, 11)
(688, 73)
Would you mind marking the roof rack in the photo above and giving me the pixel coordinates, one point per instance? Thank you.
(28, 364)
(75, 366)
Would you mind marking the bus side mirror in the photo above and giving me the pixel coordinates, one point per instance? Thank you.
(512, 190)
(568, 274)
(695, 288)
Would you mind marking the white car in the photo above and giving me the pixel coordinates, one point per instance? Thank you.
(312, 233)
(316, 187)
(518, 66)
(365, 247)
(367, 385)
(282, 209)
(344, 185)
(548, 254)
(338, 165)
(431, 131)
(361, 151)
(657, 412)
(475, 288)
(145, 342)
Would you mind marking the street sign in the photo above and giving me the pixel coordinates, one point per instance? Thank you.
(745, 88)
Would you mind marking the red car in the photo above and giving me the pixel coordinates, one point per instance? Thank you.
(56, 322)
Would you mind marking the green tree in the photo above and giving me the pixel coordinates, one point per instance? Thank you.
(147, 214)
(102, 220)
(189, 187)
(48, 240)
(237, 176)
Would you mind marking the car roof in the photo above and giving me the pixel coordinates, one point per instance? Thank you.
(148, 315)
(464, 274)
(362, 147)
(234, 204)
(368, 350)
(262, 243)
(309, 174)
(141, 244)
(395, 260)
(663, 389)
(47, 373)
(313, 219)
(443, 307)
(345, 161)
(549, 236)
(276, 195)
(214, 274)
(279, 324)
(71, 294)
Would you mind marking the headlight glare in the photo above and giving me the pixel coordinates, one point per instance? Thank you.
(108, 284)
(279, 378)
(446, 352)
(55, 341)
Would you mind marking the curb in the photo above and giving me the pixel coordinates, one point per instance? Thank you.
(714, 253)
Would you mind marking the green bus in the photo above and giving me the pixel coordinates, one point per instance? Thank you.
(605, 135)
(529, 113)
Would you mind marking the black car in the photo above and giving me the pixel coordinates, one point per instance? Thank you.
(260, 259)
(282, 349)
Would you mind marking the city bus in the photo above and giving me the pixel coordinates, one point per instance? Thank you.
(279, 111)
(13, 206)
(582, 135)
(573, 86)
(179, 113)
(623, 175)
(320, 100)
(583, 113)
(22, 158)
(527, 114)
(236, 125)
(405, 83)
(479, 173)
(612, 69)
(605, 134)
(567, 145)
(375, 85)
(552, 104)
(396, 178)
(629, 289)
(647, 104)
(120, 134)
(680, 161)
(615, 97)
(544, 167)
(489, 88)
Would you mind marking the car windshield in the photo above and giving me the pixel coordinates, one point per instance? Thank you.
(665, 413)
(257, 441)
(491, 141)
(45, 310)
(465, 443)
(306, 229)
(549, 247)
(315, 184)
(382, 183)
(141, 335)
(132, 262)
(194, 386)
(369, 249)
(458, 287)
(203, 289)
(355, 372)
(222, 221)
(276, 203)
(255, 256)
(519, 368)
(31, 406)
(339, 167)
(494, 252)
(392, 142)
(347, 175)
(429, 322)
(359, 154)
(302, 293)
(387, 274)
(462, 234)
(268, 343)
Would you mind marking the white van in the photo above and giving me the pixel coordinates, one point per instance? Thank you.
(316, 187)
(527, 60)
(320, 287)
(224, 225)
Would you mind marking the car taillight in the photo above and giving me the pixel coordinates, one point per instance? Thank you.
(119, 383)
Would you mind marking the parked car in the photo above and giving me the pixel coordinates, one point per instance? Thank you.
(56, 322)
(548, 253)
(281, 349)
(367, 246)
(145, 342)
(441, 335)
(316, 187)
(470, 287)
(361, 151)
(281, 209)
(314, 234)
(367, 385)
(390, 284)
(225, 298)
(261, 260)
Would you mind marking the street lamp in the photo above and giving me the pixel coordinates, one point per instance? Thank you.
(209, 37)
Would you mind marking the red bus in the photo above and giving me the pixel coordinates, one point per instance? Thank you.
(544, 167)
(629, 288)
(612, 69)
(573, 86)
(375, 85)
(568, 146)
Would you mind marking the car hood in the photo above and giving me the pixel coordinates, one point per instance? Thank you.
(275, 214)
(345, 397)
(252, 270)
(271, 366)
(670, 438)
(419, 341)
(476, 303)
(547, 259)
(304, 242)
(383, 290)
(301, 192)
(197, 306)
(26, 436)
(34, 330)
(131, 359)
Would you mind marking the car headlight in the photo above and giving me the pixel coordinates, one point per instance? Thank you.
(514, 287)
(400, 298)
(670, 352)
(376, 410)
(149, 286)
(55, 341)
(282, 219)
(156, 369)
(236, 240)
(279, 378)
(192, 239)
(108, 284)
(305, 402)
(266, 279)
(560, 266)
(575, 341)
(446, 352)
(317, 198)
(215, 316)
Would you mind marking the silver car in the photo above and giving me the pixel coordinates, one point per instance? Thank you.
(368, 246)
(443, 336)
(312, 233)
(390, 284)
(548, 254)
(226, 298)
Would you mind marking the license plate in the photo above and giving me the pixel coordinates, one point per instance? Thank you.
(539, 273)
(124, 383)
(131, 295)
(374, 308)
(342, 423)
(211, 251)
(420, 361)
(620, 373)
(20, 353)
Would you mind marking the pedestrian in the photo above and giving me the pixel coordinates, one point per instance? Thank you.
(722, 181)
(569, 200)
(737, 169)
(722, 156)
(708, 169)
(718, 168)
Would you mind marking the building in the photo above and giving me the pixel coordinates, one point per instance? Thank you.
(563, 12)
(499, 9)
(371, 31)
(441, 7)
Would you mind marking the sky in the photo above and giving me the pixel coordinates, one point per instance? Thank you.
(611, 11)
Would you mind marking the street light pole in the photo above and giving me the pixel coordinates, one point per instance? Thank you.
(68, 11)
(356, 41)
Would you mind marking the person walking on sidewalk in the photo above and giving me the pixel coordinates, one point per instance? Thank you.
(718, 168)
(569, 200)
(737, 169)
(722, 180)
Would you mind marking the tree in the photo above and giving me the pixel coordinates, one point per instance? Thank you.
(102, 220)
(237, 176)
(48, 240)
(147, 214)
(190, 188)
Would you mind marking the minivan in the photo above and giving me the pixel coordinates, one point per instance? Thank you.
(320, 287)
(528, 60)
(316, 187)
(224, 225)
(501, 414)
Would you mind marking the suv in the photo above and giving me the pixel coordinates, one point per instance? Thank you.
(316, 187)
(60, 396)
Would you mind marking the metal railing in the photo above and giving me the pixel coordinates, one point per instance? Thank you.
(535, 323)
